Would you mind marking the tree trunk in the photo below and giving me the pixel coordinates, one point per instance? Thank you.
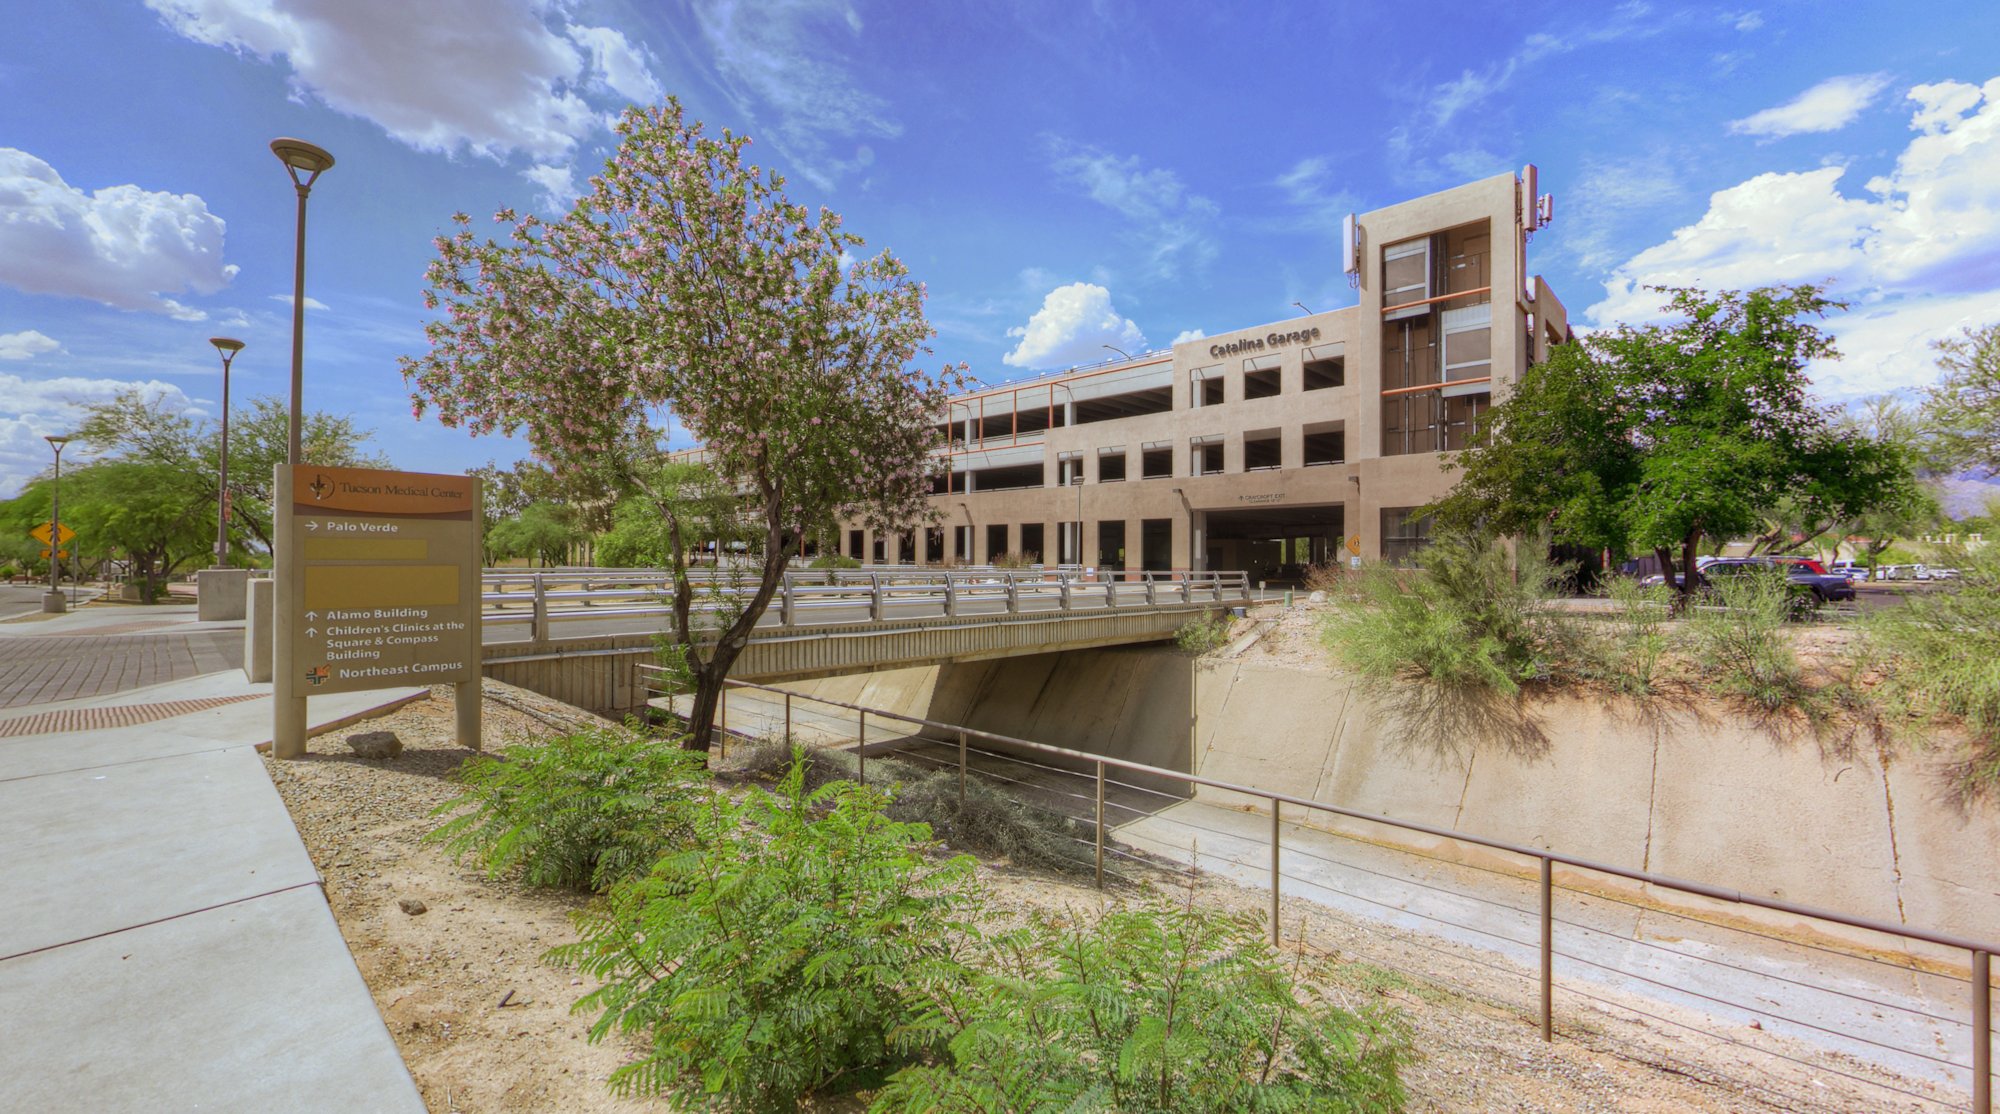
(1690, 569)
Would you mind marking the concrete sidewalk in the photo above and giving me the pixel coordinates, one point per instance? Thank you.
(164, 942)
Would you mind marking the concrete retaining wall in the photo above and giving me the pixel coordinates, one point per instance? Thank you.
(1699, 792)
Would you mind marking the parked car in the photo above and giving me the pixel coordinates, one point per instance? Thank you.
(1804, 573)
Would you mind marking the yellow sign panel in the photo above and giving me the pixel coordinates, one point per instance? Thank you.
(41, 534)
(59, 553)
(1354, 544)
(367, 549)
(337, 587)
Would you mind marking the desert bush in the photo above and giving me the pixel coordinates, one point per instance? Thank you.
(1738, 639)
(583, 810)
(1629, 658)
(833, 561)
(1471, 617)
(991, 822)
(1329, 577)
(1015, 560)
(780, 954)
(1203, 634)
(1148, 1008)
(1939, 655)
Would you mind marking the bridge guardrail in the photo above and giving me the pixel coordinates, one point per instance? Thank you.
(543, 598)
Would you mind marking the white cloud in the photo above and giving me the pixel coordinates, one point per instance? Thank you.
(1318, 202)
(1747, 21)
(1186, 335)
(1829, 106)
(35, 408)
(619, 65)
(25, 345)
(557, 183)
(489, 76)
(1072, 327)
(311, 302)
(120, 245)
(778, 63)
(1173, 225)
(1917, 251)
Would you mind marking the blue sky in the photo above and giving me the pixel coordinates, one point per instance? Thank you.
(1062, 175)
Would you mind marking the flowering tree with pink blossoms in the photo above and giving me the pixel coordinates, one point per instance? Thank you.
(686, 289)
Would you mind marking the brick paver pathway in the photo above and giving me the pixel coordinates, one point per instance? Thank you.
(35, 670)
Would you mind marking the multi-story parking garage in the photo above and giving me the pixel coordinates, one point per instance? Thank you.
(1269, 448)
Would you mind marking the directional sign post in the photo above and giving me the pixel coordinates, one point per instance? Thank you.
(377, 587)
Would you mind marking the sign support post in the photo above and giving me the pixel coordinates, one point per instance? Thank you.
(378, 586)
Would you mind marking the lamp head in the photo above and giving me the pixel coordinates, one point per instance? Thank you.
(228, 346)
(300, 156)
(57, 439)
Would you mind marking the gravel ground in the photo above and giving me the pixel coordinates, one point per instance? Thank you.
(484, 1026)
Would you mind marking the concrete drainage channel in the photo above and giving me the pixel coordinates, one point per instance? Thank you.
(1797, 980)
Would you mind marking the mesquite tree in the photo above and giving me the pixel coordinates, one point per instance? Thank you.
(686, 289)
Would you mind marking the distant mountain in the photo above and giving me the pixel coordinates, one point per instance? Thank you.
(1967, 493)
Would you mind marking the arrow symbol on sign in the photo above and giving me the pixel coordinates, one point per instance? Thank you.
(310, 633)
(311, 525)
(311, 615)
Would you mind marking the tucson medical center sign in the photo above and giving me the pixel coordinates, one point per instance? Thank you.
(378, 582)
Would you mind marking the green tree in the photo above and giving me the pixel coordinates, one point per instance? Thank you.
(686, 290)
(142, 428)
(160, 517)
(543, 531)
(1653, 439)
(1961, 411)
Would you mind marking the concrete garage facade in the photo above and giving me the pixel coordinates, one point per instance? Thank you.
(1268, 448)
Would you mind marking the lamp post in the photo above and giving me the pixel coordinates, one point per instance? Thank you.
(53, 602)
(1118, 350)
(299, 158)
(228, 347)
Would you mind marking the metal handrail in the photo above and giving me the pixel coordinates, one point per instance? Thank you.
(1981, 951)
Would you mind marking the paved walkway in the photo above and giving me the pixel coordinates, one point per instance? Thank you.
(164, 939)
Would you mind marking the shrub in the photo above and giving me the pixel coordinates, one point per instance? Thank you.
(1203, 634)
(833, 561)
(1940, 653)
(1016, 560)
(1470, 618)
(583, 810)
(775, 956)
(1629, 660)
(1741, 643)
(1145, 1009)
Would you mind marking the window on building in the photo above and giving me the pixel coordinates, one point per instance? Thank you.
(1156, 461)
(934, 545)
(1409, 353)
(1069, 543)
(941, 483)
(854, 544)
(1261, 377)
(1069, 469)
(878, 553)
(1111, 465)
(1468, 343)
(996, 542)
(1263, 450)
(1205, 386)
(1406, 272)
(1205, 455)
(1325, 366)
(1410, 423)
(1325, 443)
(1468, 255)
(1461, 418)
(1156, 544)
(1111, 544)
(906, 548)
(1031, 542)
(1404, 534)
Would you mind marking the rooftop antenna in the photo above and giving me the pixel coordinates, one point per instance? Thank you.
(1350, 250)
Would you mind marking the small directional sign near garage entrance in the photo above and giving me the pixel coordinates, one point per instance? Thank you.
(378, 587)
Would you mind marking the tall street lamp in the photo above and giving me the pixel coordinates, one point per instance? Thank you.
(228, 347)
(53, 602)
(300, 158)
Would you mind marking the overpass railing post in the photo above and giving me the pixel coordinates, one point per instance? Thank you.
(1152, 591)
(1013, 594)
(875, 597)
(1063, 588)
(538, 626)
(1099, 824)
(950, 595)
(787, 605)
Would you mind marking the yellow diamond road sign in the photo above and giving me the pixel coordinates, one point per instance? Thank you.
(41, 533)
